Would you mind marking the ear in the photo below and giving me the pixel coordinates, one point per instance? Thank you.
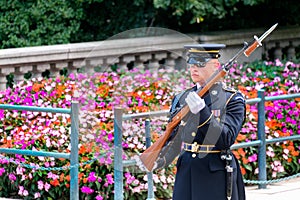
(217, 63)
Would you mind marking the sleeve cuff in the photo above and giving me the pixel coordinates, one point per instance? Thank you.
(161, 162)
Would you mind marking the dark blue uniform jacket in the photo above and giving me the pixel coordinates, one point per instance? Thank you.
(203, 175)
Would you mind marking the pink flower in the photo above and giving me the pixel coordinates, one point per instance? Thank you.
(25, 193)
(252, 158)
(292, 104)
(40, 185)
(270, 114)
(99, 197)
(270, 153)
(110, 179)
(279, 116)
(87, 190)
(47, 186)
(92, 177)
(2, 170)
(52, 176)
(12, 177)
(37, 195)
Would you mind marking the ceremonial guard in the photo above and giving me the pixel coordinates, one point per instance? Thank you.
(206, 168)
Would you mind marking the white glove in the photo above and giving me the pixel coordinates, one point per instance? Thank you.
(195, 102)
(140, 164)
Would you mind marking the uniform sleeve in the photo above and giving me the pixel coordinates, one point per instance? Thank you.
(170, 151)
(173, 147)
(223, 132)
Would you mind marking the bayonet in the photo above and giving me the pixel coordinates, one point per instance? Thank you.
(257, 41)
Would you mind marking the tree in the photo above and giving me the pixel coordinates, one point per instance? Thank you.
(201, 10)
(43, 22)
(38, 22)
(203, 15)
(104, 19)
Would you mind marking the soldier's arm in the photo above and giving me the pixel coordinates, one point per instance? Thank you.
(170, 151)
(223, 132)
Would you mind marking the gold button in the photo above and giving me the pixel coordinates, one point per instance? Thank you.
(193, 155)
(193, 134)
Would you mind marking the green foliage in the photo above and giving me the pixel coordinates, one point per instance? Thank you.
(202, 9)
(31, 23)
(42, 22)
(104, 19)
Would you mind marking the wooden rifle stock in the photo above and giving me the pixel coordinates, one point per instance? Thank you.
(251, 48)
(150, 155)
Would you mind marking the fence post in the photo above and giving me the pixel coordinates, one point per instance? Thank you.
(149, 174)
(74, 187)
(118, 164)
(262, 175)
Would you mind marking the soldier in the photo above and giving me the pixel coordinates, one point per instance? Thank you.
(206, 168)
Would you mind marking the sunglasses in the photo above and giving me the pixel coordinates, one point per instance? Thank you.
(196, 65)
(197, 62)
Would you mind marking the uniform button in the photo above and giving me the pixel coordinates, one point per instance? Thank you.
(193, 134)
(193, 155)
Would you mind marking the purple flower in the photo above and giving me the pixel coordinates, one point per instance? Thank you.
(2, 170)
(292, 104)
(87, 190)
(29, 88)
(102, 104)
(99, 197)
(110, 179)
(279, 116)
(72, 76)
(270, 114)
(36, 96)
(1, 114)
(252, 158)
(12, 177)
(294, 122)
(110, 137)
(92, 177)
(27, 101)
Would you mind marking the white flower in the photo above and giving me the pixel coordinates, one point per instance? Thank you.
(163, 178)
(48, 88)
(68, 97)
(48, 143)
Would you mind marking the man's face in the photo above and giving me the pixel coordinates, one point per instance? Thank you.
(200, 74)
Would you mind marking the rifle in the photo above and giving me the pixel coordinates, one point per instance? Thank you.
(150, 155)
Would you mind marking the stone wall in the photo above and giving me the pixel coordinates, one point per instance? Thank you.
(165, 51)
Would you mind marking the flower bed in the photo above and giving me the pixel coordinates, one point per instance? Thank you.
(136, 91)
